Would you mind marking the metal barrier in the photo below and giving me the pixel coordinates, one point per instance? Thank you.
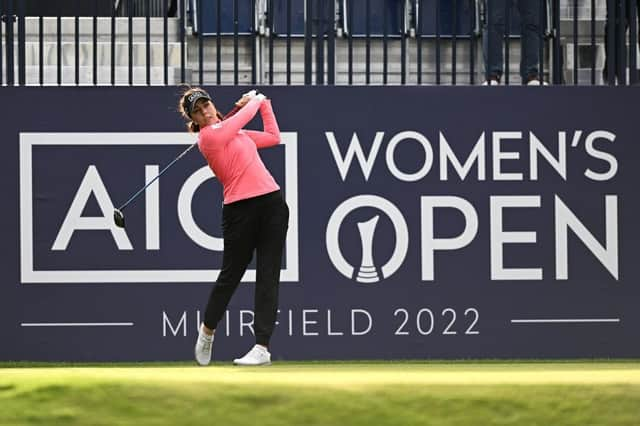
(311, 42)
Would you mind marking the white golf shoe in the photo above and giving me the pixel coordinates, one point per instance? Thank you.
(203, 348)
(258, 355)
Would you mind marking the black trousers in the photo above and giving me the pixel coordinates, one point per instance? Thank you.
(256, 224)
(620, 47)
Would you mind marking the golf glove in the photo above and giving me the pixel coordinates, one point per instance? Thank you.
(251, 94)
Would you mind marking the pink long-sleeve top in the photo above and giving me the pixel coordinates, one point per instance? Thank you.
(232, 152)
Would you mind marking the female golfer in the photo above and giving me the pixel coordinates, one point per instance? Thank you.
(254, 213)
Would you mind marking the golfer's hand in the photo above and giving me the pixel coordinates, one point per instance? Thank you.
(246, 98)
(250, 93)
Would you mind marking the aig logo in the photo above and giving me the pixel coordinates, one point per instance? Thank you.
(70, 182)
(367, 269)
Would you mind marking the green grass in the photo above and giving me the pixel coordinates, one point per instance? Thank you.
(333, 393)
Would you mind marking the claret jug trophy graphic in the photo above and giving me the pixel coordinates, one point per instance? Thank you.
(367, 272)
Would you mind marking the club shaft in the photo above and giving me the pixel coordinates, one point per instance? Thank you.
(234, 110)
(133, 197)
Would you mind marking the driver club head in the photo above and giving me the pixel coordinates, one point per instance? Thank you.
(118, 218)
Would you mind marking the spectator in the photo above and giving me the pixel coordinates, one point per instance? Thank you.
(619, 43)
(531, 39)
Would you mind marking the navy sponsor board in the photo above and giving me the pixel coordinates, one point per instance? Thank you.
(426, 222)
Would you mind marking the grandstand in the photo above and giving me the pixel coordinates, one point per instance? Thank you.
(341, 42)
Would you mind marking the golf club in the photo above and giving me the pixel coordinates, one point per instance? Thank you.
(118, 216)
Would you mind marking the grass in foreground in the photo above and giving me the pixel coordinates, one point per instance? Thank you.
(369, 394)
